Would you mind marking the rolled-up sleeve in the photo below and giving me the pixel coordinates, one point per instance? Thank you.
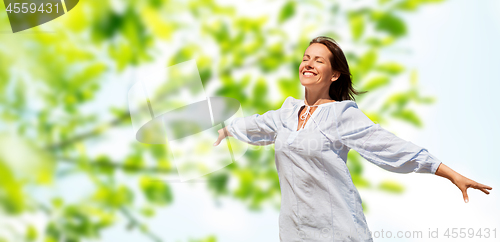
(257, 129)
(381, 147)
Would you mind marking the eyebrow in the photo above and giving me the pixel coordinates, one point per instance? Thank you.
(314, 57)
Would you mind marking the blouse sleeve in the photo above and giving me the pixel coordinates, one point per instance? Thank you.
(256, 129)
(381, 147)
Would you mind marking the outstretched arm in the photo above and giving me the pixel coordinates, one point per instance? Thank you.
(392, 153)
(460, 181)
(256, 129)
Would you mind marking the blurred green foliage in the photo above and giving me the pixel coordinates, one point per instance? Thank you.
(49, 79)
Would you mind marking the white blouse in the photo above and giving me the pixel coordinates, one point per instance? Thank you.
(319, 201)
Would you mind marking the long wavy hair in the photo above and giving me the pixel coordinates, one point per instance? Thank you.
(341, 89)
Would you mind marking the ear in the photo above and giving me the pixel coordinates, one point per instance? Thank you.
(335, 76)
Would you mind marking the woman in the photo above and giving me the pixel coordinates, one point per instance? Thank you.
(312, 138)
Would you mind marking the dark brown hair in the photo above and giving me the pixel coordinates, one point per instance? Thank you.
(341, 89)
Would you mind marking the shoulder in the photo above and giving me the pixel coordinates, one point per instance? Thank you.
(345, 108)
(345, 105)
(348, 112)
(290, 102)
(289, 106)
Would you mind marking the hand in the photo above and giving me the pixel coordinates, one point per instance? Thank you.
(463, 183)
(222, 134)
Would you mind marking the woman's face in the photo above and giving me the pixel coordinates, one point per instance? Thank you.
(316, 69)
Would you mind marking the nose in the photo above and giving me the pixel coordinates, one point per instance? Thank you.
(308, 65)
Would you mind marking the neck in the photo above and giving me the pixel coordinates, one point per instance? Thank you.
(316, 97)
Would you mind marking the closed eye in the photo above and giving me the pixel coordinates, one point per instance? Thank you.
(316, 61)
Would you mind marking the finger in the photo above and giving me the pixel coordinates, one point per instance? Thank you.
(484, 190)
(466, 198)
(217, 142)
(486, 187)
(482, 186)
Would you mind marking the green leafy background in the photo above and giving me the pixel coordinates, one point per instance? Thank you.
(55, 107)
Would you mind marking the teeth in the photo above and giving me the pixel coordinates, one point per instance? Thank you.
(308, 74)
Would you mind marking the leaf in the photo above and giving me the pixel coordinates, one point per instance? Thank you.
(11, 192)
(367, 61)
(156, 191)
(219, 183)
(409, 116)
(185, 53)
(365, 207)
(360, 181)
(114, 197)
(398, 99)
(31, 233)
(289, 87)
(391, 68)
(374, 116)
(77, 222)
(287, 11)
(354, 163)
(273, 58)
(391, 24)
(205, 68)
(104, 164)
(148, 212)
(121, 54)
(357, 24)
(391, 186)
(412, 5)
(158, 151)
(259, 94)
(408, 5)
(57, 202)
(107, 26)
(376, 82)
(427, 100)
(133, 163)
(246, 188)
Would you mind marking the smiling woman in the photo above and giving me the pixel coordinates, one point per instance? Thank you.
(319, 201)
(319, 70)
(324, 59)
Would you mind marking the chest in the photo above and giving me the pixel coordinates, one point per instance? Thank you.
(303, 116)
(308, 132)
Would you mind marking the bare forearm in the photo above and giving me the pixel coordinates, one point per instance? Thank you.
(446, 172)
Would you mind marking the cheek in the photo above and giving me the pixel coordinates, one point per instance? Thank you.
(324, 70)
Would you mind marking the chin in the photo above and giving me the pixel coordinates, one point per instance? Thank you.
(307, 82)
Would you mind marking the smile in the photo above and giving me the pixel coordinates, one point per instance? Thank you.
(309, 73)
